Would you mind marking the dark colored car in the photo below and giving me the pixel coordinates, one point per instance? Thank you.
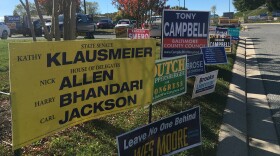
(84, 25)
(105, 24)
(37, 28)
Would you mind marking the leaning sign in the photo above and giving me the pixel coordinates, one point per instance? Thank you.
(234, 33)
(214, 55)
(184, 32)
(164, 137)
(205, 84)
(170, 78)
(55, 85)
(195, 65)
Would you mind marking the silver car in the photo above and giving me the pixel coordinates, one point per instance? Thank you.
(124, 23)
(4, 31)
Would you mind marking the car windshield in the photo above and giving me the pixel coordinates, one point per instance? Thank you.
(104, 21)
(83, 19)
(60, 18)
(123, 22)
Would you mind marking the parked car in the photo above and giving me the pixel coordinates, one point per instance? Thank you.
(4, 31)
(26, 31)
(84, 26)
(105, 24)
(154, 25)
(24, 27)
(124, 23)
(121, 28)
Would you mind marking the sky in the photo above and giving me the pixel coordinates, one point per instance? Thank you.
(105, 6)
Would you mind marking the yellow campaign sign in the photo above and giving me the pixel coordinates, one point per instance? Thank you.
(121, 32)
(55, 85)
(228, 49)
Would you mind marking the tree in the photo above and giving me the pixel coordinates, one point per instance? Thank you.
(26, 7)
(157, 6)
(48, 35)
(178, 8)
(55, 24)
(91, 7)
(47, 5)
(68, 9)
(138, 9)
(213, 10)
(243, 5)
(273, 5)
(239, 5)
(69, 21)
(20, 10)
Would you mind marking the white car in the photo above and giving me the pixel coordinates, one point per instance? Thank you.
(124, 23)
(4, 31)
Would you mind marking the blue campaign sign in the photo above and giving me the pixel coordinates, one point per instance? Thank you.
(234, 33)
(164, 137)
(214, 55)
(263, 14)
(276, 13)
(184, 32)
(12, 19)
(222, 31)
(195, 65)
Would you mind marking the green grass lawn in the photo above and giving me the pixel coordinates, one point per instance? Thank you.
(4, 68)
(98, 137)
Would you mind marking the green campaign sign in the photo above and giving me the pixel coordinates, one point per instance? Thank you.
(170, 78)
(234, 33)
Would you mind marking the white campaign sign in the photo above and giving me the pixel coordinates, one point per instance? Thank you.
(205, 84)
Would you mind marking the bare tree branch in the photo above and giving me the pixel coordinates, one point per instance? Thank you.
(55, 20)
(69, 23)
(26, 7)
(48, 36)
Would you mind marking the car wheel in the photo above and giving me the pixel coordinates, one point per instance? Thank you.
(4, 35)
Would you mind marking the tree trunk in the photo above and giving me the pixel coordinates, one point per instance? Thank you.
(73, 22)
(55, 22)
(48, 35)
(26, 7)
(69, 23)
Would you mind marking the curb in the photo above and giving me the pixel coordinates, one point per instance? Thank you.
(247, 128)
(233, 131)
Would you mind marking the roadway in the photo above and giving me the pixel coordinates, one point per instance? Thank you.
(267, 48)
(252, 116)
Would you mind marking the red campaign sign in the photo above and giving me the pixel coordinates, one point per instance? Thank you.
(179, 43)
(138, 33)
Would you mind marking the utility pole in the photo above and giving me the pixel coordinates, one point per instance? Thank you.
(228, 5)
(137, 17)
(184, 5)
(85, 7)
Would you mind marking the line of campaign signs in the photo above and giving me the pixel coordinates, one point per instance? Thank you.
(181, 131)
(78, 89)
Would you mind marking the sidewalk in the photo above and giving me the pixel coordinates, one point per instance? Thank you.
(247, 129)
